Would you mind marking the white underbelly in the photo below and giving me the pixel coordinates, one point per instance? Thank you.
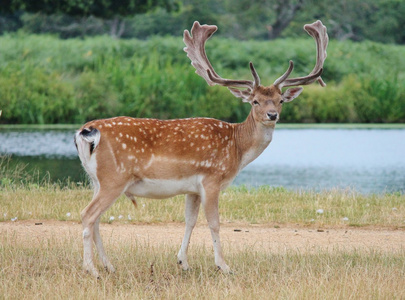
(165, 188)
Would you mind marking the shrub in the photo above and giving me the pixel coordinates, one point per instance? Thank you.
(47, 80)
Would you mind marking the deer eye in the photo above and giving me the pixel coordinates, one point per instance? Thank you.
(281, 101)
(255, 103)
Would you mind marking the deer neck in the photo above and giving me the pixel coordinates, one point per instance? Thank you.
(252, 138)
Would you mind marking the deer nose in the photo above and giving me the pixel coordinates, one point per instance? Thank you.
(272, 116)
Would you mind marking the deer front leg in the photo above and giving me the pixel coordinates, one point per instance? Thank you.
(211, 212)
(191, 213)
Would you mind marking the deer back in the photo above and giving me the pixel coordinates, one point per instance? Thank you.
(164, 149)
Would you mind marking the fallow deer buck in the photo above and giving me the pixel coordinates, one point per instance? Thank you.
(198, 157)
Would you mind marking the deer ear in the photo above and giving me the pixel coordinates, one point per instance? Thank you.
(245, 95)
(290, 94)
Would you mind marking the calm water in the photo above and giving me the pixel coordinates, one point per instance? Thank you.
(370, 161)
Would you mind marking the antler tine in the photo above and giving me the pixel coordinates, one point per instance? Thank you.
(196, 52)
(318, 31)
(228, 82)
(255, 75)
(285, 75)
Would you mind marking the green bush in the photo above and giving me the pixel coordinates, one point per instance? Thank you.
(385, 101)
(47, 80)
(366, 99)
(34, 96)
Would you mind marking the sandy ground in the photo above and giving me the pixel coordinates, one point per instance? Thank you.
(233, 236)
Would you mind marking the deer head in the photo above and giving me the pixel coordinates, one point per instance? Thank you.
(266, 101)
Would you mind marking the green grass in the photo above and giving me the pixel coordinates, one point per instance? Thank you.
(258, 206)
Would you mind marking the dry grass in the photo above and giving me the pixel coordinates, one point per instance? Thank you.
(52, 269)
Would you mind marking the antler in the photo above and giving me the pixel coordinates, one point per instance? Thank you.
(196, 52)
(318, 31)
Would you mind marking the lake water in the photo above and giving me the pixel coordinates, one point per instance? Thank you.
(367, 160)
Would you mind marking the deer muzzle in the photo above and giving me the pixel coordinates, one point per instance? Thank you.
(273, 116)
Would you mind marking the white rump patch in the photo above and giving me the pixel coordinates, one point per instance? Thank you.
(89, 162)
(83, 144)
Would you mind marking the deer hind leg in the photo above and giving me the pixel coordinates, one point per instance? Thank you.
(210, 203)
(90, 221)
(100, 248)
(191, 213)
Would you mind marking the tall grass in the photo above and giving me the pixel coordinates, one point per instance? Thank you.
(47, 80)
(17, 176)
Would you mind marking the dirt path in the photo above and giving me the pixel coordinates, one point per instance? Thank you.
(234, 236)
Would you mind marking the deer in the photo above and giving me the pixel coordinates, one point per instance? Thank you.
(198, 157)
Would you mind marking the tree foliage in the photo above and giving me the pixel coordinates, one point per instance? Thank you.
(106, 9)
(377, 20)
(79, 10)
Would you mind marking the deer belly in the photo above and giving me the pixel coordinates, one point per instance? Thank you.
(165, 188)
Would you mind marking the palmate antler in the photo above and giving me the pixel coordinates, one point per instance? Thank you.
(196, 52)
(318, 31)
